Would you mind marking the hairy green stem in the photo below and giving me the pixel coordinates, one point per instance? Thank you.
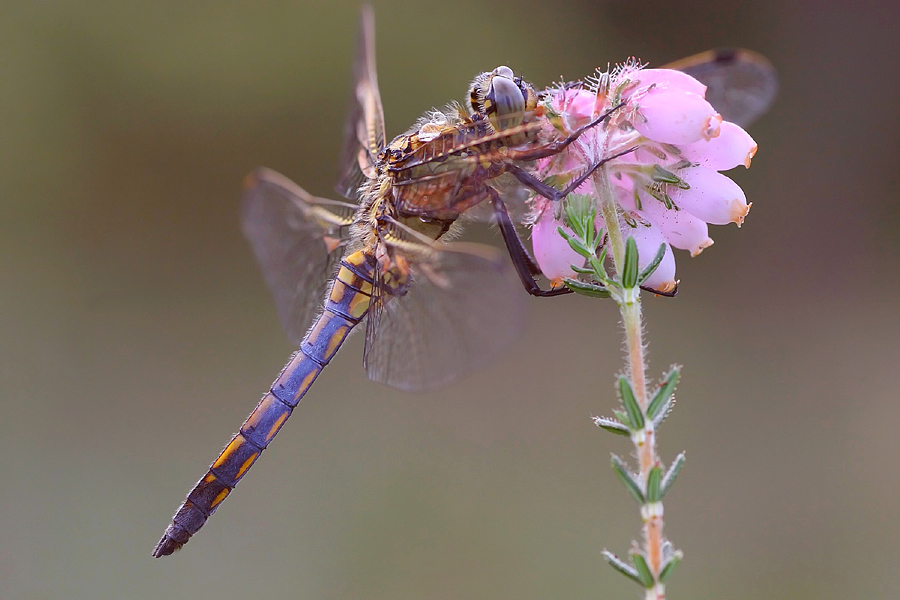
(645, 439)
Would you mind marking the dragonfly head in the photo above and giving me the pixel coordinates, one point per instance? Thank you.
(501, 97)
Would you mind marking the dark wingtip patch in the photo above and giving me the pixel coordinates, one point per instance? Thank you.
(725, 54)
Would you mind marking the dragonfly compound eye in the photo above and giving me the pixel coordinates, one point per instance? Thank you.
(504, 103)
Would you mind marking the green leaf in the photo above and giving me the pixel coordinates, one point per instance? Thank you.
(664, 411)
(674, 469)
(622, 416)
(643, 571)
(651, 267)
(612, 426)
(661, 175)
(578, 209)
(625, 569)
(599, 269)
(577, 245)
(635, 416)
(586, 289)
(670, 566)
(630, 270)
(665, 391)
(582, 270)
(653, 484)
(631, 484)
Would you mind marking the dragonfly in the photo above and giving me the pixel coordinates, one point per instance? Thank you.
(433, 310)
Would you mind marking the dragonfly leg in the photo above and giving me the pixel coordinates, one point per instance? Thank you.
(558, 146)
(526, 267)
(550, 192)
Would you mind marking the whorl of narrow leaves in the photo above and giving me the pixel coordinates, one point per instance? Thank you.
(630, 270)
(631, 484)
(612, 426)
(643, 570)
(587, 289)
(622, 567)
(664, 393)
(653, 481)
(675, 468)
(670, 567)
(635, 415)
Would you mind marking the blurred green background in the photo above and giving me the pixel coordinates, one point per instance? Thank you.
(136, 332)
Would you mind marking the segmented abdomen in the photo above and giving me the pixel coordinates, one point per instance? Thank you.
(345, 307)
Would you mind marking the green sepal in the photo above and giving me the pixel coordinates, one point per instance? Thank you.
(612, 426)
(651, 267)
(622, 567)
(575, 243)
(670, 566)
(597, 266)
(635, 416)
(653, 478)
(627, 478)
(580, 215)
(586, 289)
(581, 270)
(661, 175)
(630, 270)
(643, 570)
(674, 469)
(665, 391)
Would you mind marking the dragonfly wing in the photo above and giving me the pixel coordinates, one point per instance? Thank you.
(462, 308)
(741, 84)
(364, 127)
(515, 196)
(297, 239)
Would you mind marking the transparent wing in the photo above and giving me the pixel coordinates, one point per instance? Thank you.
(741, 84)
(515, 196)
(364, 127)
(462, 308)
(297, 239)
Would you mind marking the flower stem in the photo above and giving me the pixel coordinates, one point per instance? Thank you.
(645, 439)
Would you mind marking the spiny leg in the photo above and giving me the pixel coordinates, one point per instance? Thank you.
(558, 146)
(526, 267)
(550, 192)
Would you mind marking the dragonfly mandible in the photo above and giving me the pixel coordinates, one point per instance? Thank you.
(433, 310)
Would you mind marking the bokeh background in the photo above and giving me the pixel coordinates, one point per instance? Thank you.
(136, 332)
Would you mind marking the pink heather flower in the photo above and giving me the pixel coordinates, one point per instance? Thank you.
(551, 251)
(670, 188)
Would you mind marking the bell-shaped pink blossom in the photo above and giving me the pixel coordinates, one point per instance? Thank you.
(551, 251)
(711, 197)
(669, 144)
(680, 228)
(732, 147)
(648, 239)
(669, 79)
(676, 117)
